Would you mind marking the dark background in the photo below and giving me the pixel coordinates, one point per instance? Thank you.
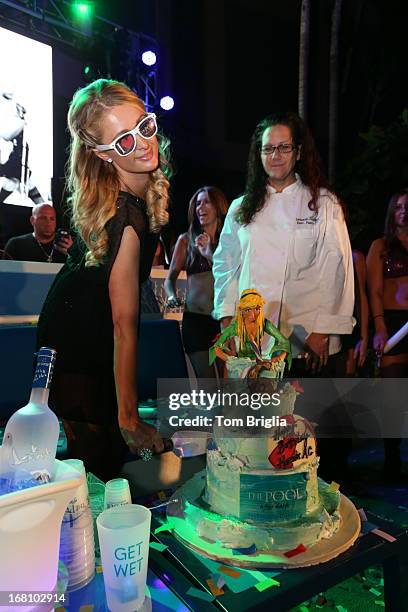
(228, 63)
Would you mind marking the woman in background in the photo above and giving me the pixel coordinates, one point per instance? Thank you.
(117, 178)
(193, 252)
(387, 266)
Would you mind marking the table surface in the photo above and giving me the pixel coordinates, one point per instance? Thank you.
(163, 599)
(177, 564)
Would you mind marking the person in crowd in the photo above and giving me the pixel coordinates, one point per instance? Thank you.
(42, 244)
(355, 345)
(387, 267)
(118, 177)
(287, 237)
(194, 253)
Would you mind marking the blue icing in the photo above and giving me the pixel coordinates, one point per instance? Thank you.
(285, 501)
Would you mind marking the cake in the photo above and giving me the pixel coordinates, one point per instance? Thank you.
(263, 491)
(260, 491)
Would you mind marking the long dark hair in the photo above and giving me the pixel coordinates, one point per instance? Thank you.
(308, 167)
(390, 230)
(220, 203)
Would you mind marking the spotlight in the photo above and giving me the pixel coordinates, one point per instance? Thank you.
(167, 103)
(149, 58)
(82, 15)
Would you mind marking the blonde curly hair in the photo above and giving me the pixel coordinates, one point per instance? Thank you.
(94, 183)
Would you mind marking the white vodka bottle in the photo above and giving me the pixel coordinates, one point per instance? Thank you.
(31, 435)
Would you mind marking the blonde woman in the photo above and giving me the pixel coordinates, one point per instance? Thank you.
(119, 192)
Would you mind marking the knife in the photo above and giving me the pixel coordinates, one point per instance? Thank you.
(182, 443)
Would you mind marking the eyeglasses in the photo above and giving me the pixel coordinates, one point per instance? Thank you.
(283, 149)
(126, 143)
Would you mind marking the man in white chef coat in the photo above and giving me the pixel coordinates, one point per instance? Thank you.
(287, 238)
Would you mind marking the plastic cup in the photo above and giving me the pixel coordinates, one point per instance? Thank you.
(117, 493)
(97, 501)
(124, 535)
(80, 502)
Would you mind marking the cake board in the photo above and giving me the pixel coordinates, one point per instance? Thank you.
(324, 550)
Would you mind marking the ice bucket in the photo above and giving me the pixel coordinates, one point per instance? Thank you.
(30, 523)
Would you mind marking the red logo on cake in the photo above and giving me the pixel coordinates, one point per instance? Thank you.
(285, 453)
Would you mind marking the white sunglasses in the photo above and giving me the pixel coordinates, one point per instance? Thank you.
(126, 143)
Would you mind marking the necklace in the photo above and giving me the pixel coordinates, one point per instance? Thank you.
(48, 256)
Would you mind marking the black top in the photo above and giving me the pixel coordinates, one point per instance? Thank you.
(76, 320)
(26, 248)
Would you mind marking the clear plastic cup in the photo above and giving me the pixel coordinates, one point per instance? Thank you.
(117, 493)
(97, 501)
(124, 535)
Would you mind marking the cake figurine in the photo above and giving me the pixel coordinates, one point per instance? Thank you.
(260, 347)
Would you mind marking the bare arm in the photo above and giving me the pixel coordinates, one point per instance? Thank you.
(177, 264)
(124, 299)
(375, 278)
(360, 350)
(361, 271)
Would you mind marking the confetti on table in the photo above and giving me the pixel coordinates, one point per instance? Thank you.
(200, 594)
(362, 514)
(164, 527)
(384, 535)
(213, 588)
(379, 602)
(229, 571)
(99, 569)
(296, 551)
(158, 546)
(375, 592)
(366, 527)
(334, 486)
(266, 584)
(218, 580)
(245, 551)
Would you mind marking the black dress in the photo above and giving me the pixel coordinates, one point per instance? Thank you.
(76, 320)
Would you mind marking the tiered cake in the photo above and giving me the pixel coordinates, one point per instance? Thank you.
(260, 500)
(266, 489)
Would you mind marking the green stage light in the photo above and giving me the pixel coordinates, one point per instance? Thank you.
(83, 10)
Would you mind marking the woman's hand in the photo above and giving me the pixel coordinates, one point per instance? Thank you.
(360, 352)
(203, 244)
(141, 435)
(380, 339)
(317, 350)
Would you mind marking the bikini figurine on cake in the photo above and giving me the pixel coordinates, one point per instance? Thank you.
(255, 356)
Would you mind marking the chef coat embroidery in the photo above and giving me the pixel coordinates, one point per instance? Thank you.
(311, 220)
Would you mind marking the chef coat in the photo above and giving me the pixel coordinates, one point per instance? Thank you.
(298, 259)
